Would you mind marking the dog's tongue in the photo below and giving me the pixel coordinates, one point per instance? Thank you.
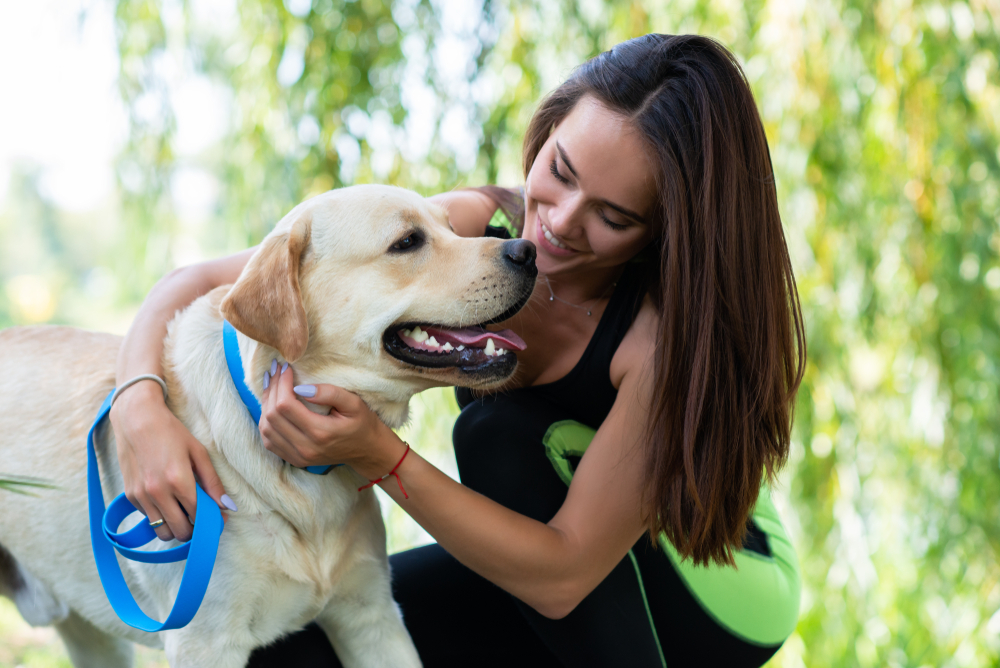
(475, 337)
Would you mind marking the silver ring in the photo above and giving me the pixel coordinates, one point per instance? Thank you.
(156, 523)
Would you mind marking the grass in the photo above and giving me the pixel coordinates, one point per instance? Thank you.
(22, 484)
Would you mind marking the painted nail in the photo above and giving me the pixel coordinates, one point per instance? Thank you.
(283, 367)
(305, 390)
(267, 379)
(274, 366)
(227, 502)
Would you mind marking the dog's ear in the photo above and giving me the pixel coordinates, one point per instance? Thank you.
(265, 303)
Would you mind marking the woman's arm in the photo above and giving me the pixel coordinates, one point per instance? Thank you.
(551, 567)
(469, 211)
(157, 455)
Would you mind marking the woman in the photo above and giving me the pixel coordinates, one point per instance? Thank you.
(613, 511)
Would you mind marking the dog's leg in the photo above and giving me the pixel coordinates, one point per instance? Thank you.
(89, 647)
(205, 645)
(363, 622)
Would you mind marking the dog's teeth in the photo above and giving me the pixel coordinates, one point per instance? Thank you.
(408, 332)
(500, 351)
(490, 348)
(432, 342)
(419, 335)
(460, 348)
(447, 346)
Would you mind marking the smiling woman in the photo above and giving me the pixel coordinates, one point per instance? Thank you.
(615, 506)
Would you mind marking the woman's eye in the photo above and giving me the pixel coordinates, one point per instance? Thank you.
(555, 172)
(613, 225)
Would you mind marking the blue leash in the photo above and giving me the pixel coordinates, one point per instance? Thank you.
(200, 552)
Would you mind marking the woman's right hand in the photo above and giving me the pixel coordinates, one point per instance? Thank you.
(159, 459)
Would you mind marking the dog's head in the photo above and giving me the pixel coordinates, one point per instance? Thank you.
(369, 288)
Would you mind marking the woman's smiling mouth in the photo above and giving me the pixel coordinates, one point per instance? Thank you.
(552, 239)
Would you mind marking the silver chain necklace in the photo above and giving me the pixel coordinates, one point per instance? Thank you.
(588, 309)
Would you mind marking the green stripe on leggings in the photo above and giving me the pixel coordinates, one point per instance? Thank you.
(645, 602)
(758, 601)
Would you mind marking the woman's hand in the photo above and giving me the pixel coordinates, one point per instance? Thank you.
(351, 434)
(159, 459)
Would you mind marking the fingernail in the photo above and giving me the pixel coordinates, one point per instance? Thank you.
(267, 379)
(305, 390)
(283, 367)
(274, 366)
(227, 502)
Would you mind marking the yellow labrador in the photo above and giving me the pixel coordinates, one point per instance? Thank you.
(366, 288)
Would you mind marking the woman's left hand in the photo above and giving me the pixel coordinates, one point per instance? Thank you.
(348, 435)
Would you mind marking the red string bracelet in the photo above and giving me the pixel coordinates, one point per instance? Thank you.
(372, 483)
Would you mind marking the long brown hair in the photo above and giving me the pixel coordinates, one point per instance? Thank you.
(731, 346)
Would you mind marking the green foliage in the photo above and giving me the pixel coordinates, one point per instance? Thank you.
(883, 120)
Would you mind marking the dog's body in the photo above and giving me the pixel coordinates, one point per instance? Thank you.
(302, 546)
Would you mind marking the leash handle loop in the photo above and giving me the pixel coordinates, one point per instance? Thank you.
(200, 552)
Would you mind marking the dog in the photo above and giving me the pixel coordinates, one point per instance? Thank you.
(339, 288)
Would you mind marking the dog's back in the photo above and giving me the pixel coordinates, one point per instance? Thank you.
(53, 381)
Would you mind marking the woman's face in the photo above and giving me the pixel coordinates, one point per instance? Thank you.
(590, 192)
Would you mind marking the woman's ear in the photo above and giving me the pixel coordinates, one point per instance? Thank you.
(265, 303)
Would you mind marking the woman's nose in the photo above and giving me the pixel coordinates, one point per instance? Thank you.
(563, 218)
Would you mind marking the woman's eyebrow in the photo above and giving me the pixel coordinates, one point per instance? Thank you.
(620, 209)
(625, 212)
(562, 152)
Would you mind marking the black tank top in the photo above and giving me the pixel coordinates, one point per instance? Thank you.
(498, 437)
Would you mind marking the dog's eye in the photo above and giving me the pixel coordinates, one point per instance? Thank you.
(409, 242)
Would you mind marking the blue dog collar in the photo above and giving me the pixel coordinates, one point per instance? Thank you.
(234, 361)
(200, 552)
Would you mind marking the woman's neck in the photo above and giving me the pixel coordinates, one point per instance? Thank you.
(583, 286)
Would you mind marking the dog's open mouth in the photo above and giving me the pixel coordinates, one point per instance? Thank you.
(437, 346)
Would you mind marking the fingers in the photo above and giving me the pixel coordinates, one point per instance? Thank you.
(152, 513)
(281, 434)
(158, 503)
(304, 437)
(337, 398)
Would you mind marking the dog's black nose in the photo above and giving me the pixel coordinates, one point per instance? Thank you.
(520, 253)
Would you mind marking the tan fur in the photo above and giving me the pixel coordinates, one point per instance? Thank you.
(321, 291)
(266, 303)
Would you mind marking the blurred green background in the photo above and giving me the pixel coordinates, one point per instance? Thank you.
(883, 121)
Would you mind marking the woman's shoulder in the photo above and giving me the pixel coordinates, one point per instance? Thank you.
(638, 348)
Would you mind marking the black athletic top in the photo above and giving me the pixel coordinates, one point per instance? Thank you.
(585, 395)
